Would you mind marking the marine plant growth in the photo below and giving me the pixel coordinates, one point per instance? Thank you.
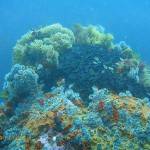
(75, 90)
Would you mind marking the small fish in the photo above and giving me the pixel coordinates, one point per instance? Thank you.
(121, 59)
(148, 94)
(40, 66)
(96, 58)
(105, 67)
(111, 69)
(4, 94)
(95, 63)
(60, 81)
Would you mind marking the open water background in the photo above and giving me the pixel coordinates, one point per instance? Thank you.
(127, 20)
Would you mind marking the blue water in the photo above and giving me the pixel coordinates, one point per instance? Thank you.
(127, 20)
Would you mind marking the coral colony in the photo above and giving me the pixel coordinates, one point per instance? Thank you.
(75, 90)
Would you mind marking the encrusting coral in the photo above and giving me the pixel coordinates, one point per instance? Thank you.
(110, 121)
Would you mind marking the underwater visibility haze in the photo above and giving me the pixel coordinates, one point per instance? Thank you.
(75, 75)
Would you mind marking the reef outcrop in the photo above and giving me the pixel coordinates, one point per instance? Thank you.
(75, 90)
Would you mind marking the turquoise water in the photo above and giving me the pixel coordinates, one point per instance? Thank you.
(127, 20)
(74, 86)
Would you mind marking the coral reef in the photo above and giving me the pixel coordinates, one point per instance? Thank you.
(145, 80)
(126, 51)
(92, 35)
(42, 46)
(21, 82)
(3, 118)
(94, 65)
(75, 90)
(110, 121)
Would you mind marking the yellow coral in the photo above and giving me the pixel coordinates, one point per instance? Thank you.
(61, 41)
(41, 46)
(107, 41)
(90, 35)
(18, 53)
(127, 53)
